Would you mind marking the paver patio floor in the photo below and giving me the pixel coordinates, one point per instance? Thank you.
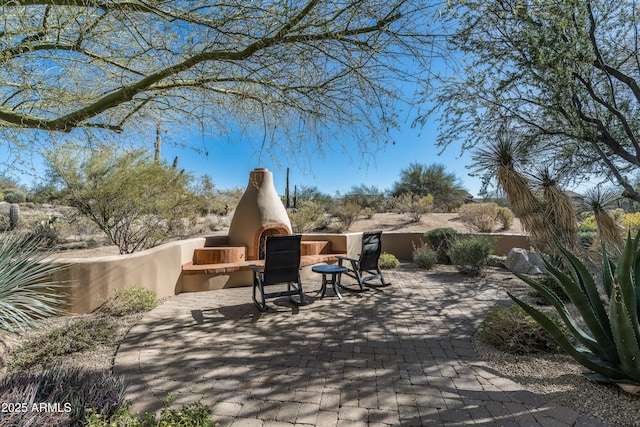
(397, 355)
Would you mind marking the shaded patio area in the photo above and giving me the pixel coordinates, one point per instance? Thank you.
(397, 355)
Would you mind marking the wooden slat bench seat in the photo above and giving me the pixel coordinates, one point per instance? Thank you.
(230, 267)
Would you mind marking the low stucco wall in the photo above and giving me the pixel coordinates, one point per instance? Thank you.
(401, 244)
(160, 268)
(93, 279)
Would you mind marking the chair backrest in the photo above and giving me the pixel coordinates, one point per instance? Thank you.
(371, 248)
(282, 259)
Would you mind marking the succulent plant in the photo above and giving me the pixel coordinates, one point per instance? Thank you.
(27, 291)
(14, 216)
(66, 391)
(610, 348)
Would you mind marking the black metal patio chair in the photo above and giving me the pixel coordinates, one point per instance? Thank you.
(366, 268)
(281, 265)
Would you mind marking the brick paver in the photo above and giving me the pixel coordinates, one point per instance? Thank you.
(396, 355)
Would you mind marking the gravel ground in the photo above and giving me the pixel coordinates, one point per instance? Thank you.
(559, 378)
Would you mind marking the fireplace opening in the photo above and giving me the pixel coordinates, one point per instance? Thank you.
(264, 232)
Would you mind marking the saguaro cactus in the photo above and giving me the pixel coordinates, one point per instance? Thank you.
(14, 216)
(286, 192)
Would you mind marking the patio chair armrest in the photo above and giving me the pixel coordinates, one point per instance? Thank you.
(354, 262)
(256, 268)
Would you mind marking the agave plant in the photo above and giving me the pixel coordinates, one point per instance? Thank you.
(27, 291)
(611, 347)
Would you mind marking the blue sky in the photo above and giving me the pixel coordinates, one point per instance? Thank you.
(229, 162)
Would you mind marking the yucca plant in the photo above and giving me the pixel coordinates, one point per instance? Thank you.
(500, 159)
(559, 213)
(27, 291)
(611, 347)
(598, 200)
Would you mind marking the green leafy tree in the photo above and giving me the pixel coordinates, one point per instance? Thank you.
(282, 68)
(562, 76)
(137, 202)
(211, 200)
(311, 193)
(422, 180)
(367, 196)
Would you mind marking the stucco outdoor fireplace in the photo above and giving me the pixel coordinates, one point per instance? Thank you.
(224, 260)
(260, 213)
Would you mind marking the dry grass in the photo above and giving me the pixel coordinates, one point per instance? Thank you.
(526, 206)
(608, 231)
(562, 215)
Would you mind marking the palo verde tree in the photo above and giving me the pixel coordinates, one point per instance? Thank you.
(447, 189)
(291, 70)
(137, 202)
(561, 75)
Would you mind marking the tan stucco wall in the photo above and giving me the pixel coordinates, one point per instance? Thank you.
(349, 243)
(401, 244)
(160, 268)
(93, 279)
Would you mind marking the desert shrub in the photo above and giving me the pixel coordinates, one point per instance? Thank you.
(631, 222)
(323, 222)
(505, 217)
(424, 256)
(511, 330)
(192, 415)
(587, 222)
(471, 255)
(5, 223)
(14, 196)
(587, 237)
(368, 212)
(305, 217)
(137, 202)
(440, 240)
(414, 205)
(74, 389)
(367, 197)
(129, 300)
(587, 226)
(388, 261)
(548, 281)
(77, 336)
(480, 216)
(346, 212)
(617, 215)
(46, 232)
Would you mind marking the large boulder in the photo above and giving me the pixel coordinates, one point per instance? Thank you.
(524, 261)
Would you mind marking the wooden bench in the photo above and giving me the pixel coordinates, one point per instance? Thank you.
(230, 267)
(229, 259)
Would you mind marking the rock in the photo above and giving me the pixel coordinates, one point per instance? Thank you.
(524, 261)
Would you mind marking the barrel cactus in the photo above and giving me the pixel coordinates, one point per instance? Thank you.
(14, 216)
(610, 349)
